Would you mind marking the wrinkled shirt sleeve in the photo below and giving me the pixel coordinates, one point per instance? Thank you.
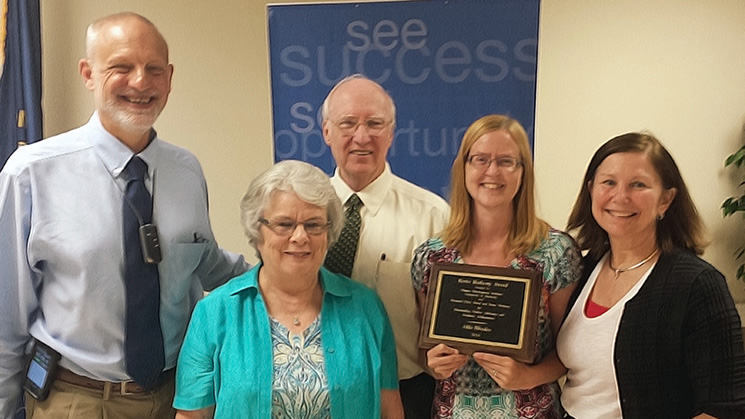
(18, 282)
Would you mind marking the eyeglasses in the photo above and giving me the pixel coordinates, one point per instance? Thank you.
(373, 126)
(482, 162)
(287, 227)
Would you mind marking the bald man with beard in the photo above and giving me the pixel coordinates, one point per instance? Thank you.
(65, 253)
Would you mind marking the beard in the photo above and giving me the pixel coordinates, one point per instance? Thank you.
(130, 120)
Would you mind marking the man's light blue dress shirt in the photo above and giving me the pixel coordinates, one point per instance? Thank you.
(61, 259)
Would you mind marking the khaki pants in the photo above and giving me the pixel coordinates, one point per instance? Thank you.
(71, 401)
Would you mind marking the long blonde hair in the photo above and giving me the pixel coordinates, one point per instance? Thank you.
(527, 230)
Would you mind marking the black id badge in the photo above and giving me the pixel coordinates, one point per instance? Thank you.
(150, 243)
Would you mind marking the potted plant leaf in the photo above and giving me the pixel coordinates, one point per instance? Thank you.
(735, 204)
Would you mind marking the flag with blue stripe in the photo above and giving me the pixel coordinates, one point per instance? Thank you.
(20, 75)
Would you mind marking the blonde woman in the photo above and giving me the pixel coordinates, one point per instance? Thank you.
(493, 222)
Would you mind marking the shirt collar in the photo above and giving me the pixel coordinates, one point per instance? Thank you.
(331, 283)
(113, 153)
(372, 195)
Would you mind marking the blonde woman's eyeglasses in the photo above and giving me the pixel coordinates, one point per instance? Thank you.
(482, 162)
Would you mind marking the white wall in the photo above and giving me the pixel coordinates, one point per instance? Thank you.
(676, 68)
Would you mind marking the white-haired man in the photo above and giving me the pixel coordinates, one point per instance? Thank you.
(395, 216)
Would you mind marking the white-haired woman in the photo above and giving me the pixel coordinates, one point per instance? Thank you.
(288, 338)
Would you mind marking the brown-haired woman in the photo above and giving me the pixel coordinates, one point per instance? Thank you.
(653, 331)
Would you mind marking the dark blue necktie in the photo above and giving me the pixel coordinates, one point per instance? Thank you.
(143, 339)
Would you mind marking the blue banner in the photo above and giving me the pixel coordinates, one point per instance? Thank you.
(20, 80)
(445, 63)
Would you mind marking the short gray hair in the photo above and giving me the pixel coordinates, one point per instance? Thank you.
(306, 181)
(325, 105)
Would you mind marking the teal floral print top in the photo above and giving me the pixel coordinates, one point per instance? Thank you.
(470, 392)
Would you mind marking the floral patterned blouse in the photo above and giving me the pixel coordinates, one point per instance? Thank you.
(300, 386)
(470, 392)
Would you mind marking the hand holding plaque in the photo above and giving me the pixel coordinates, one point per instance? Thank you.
(482, 309)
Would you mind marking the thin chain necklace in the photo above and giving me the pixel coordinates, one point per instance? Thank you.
(618, 271)
(295, 319)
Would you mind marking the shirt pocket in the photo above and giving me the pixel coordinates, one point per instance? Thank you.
(393, 285)
(181, 268)
(186, 257)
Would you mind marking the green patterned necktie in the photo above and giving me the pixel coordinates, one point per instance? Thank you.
(340, 257)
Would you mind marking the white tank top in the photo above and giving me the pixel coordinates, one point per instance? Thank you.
(586, 347)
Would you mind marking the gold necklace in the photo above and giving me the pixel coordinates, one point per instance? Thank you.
(618, 271)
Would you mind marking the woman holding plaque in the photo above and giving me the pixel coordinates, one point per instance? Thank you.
(493, 223)
(653, 331)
